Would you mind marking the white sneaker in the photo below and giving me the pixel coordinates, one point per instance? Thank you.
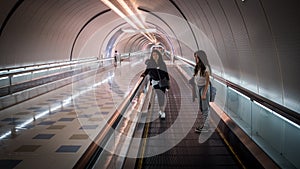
(163, 115)
(160, 113)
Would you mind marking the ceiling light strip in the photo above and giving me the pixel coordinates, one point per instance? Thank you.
(122, 15)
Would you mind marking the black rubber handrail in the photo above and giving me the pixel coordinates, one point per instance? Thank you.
(92, 153)
(277, 108)
(43, 64)
(10, 74)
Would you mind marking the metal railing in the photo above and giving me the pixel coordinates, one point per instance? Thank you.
(16, 69)
(273, 127)
(21, 78)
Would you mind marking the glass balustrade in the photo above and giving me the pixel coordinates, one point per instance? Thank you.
(39, 71)
(276, 135)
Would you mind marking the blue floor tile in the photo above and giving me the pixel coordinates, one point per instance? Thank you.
(68, 148)
(8, 164)
(105, 112)
(46, 123)
(66, 119)
(43, 136)
(97, 113)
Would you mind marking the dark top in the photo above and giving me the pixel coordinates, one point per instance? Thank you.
(156, 71)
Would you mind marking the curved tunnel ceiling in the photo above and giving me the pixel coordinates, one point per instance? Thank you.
(252, 43)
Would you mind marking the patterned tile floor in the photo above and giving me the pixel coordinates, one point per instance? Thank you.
(54, 130)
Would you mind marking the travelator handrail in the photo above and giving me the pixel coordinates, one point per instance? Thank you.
(45, 64)
(11, 74)
(9, 77)
(277, 108)
(95, 149)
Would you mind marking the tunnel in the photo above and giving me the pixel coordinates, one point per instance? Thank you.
(66, 102)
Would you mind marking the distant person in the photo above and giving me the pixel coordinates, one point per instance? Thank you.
(115, 58)
(157, 70)
(201, 77)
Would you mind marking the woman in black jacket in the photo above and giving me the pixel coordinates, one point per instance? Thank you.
(157, 70)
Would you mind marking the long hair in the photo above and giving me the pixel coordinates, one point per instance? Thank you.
(160, 59)
(201, 65)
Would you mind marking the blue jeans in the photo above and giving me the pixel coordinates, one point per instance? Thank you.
(203, 105)
(160, 96)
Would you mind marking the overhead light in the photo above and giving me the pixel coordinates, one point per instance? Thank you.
(150, 30)
(120, 13)
(128, 30)
(136, 23)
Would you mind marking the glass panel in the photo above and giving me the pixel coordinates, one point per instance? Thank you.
(290, 145)
(19, 78)
(239, 109)
(3, 72)
(267, 129)
(4, 81)
(221, 95)
(39, 73)
(277, 136)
